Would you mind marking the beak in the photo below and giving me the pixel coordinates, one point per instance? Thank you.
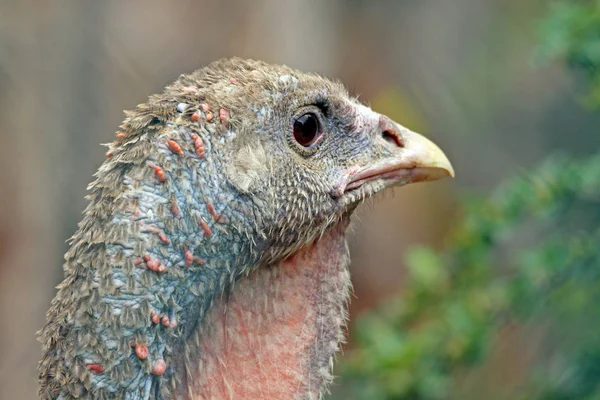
(425, 156)
(414, 159)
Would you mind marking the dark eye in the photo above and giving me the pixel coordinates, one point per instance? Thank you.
(307, 129)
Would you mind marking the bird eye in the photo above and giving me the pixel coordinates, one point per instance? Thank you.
(307, 130)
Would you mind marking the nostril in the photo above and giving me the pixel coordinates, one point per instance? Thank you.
(393, 137)
(389, 131)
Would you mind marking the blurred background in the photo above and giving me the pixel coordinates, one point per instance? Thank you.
(478, 288)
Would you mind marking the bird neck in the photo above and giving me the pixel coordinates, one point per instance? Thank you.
(275, 335)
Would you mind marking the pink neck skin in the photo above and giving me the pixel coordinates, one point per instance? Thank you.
(276, 335)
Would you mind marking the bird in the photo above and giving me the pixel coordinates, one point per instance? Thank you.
(211, 260)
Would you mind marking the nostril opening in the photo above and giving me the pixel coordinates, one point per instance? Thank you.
(392, 136)
(389, 131)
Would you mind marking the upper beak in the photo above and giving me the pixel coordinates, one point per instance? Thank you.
(415, 159)
(422, 154)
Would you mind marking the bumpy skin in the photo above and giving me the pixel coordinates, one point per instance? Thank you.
(203, 185)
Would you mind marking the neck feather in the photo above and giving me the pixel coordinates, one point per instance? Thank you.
(274, 336)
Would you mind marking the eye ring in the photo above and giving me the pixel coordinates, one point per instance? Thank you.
(306, 130)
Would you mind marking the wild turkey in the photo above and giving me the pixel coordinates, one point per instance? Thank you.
(211, 261)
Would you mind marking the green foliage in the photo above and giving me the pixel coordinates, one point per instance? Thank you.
(529, 252)
(572, 31)
(527, 256)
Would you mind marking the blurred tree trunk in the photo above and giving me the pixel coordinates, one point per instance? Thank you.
(48, 96)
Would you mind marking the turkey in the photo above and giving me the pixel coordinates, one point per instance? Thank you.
(211, 261)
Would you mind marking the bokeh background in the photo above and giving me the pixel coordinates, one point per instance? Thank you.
(471, 74)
